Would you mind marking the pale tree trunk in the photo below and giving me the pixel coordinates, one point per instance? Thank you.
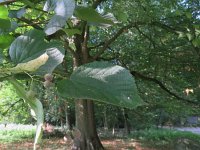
(105, 120)
(126, 123)
(67, 115)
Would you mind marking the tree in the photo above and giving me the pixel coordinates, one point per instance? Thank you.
(38, 52)
(158, 41)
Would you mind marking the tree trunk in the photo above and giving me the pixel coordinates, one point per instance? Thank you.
(87, 137)
(126, 123)
(68, 124)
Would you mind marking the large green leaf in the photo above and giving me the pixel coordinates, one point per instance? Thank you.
(63, 9)
(30, 52)
(35, 106)
(90, 15)
(104, 82)
(28, 46)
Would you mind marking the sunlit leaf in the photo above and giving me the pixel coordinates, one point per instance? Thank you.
(90, 15)
(63, 11)
(56, 23)
(4, 12)
(30, 52)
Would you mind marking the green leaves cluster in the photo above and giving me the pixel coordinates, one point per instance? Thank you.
(5, 25)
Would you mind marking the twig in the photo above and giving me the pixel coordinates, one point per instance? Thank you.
(11, 106)
(30, 23)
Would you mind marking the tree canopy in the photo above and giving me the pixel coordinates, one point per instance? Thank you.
(155, 41)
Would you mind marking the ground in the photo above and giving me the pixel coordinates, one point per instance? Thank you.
(61, 144)
(20, 137)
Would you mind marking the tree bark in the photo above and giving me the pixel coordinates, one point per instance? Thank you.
(87, 138)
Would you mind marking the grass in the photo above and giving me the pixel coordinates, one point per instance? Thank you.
(170, 139)
(9, 136)
(164, 134)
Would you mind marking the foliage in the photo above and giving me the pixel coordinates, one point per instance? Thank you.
(9, 136)
(158, 41)
(163, 134)
(12, 113)
(167, 137)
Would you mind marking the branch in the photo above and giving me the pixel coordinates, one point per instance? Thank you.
(162, 86)
(96, 46)
(84, 48)
(7, 2)
(166, 27)
(11, 106)
(30, 23)
(68, 48)
(111, 40)
(149, 38)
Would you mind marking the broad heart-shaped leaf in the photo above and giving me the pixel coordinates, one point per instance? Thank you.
(63, 9)
(35, 106)
(30, 52)
(90, 15)
(103, 82)
(28, 46)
